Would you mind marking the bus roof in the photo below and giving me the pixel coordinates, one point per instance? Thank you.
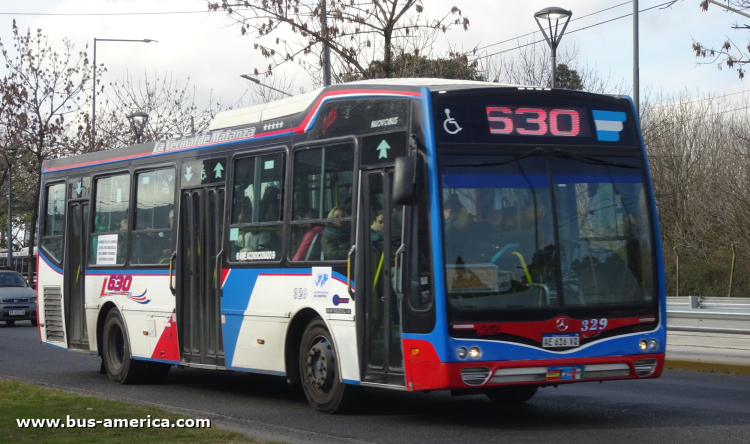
(287, 116)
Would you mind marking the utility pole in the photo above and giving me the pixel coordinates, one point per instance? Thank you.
(636, 68)
(326, 49)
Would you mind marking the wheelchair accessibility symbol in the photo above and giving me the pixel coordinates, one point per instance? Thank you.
(450, 125)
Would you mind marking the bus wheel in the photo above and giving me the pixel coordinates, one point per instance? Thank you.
(319, 371)
(120, 365)
(514, 394)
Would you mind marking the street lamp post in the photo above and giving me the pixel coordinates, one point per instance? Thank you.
(11, 151)
(552, 16)
(93, 107)
(254, 80)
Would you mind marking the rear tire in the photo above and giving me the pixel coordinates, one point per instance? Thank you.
(118, 360)
(319, 371)
(10, 322)
(513, 394)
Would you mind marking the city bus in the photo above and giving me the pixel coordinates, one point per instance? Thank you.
(412, 234)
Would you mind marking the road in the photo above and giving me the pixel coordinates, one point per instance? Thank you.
(681, 406)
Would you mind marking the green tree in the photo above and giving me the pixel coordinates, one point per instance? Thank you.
(568, 78)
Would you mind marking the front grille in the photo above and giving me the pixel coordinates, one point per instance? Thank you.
(53, 321)
(645, 367)
(475, 375)
(16, 300)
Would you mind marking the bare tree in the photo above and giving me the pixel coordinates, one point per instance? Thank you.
(48, 87)
(171, 104)
(728, 53)
(358, 33)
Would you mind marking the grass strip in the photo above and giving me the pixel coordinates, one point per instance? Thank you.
(19, 401)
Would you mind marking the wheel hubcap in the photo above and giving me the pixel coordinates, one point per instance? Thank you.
(320, 365)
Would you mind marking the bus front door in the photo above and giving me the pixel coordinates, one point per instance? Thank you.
(198, 301)
(379, 239)
(74, 276)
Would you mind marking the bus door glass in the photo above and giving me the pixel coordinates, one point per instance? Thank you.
(381, 224)
(75, 263)
(200, 231)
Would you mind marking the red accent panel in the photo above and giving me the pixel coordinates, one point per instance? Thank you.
(535, 330)
(224, 274)
(167, 348)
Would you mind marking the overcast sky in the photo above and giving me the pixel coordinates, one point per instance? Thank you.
(208, 49)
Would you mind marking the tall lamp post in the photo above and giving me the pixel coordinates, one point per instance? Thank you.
(10, 151)
(93, 107)
(254, 80)
(550, 17)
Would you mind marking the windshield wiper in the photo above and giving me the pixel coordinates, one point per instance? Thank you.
(591, 160)
(505, 162)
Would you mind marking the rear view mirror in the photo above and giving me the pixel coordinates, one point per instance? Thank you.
(406, 181)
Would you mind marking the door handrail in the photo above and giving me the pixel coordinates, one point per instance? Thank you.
(171, 268)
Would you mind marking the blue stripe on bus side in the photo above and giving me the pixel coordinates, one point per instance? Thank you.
(48, 262)
(163, 361)
(55, 346)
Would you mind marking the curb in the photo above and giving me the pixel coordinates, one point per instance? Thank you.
(707, 366)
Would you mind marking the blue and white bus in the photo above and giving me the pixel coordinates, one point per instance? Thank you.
(413, 234)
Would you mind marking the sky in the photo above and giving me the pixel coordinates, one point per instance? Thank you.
(208, 48)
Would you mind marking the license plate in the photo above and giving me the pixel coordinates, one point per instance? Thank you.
(16, 312)
(554, 341)
(565, 373)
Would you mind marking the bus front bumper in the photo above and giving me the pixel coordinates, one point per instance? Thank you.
(425, 375)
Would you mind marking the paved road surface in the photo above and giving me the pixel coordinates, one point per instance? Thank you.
(681, 406)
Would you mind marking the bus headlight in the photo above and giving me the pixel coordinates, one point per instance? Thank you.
(653, 344)
(475, 352)
(643, 345)
(461, 352)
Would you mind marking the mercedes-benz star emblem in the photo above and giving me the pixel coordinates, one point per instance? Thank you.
(562, 324)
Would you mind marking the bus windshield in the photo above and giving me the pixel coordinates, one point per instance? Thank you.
(545, 232)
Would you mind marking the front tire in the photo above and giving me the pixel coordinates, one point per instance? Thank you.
(513, 394)
(319, 371)
(118, 360)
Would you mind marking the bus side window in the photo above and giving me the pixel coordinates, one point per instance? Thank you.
(322, 203)
(54, 221)
(154, 217)
(109, 239)
(257, 209)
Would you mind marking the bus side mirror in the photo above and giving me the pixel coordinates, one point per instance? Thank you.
(406, 181)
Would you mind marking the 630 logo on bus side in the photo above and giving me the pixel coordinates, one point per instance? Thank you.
(119, 285)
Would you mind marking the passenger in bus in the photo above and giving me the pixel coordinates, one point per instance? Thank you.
(336, 239)
(265, 239)
(376, 229)
(309, 248)
(460, 230)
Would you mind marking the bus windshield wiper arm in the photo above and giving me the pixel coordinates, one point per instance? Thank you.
(591, 160)
(505, 162)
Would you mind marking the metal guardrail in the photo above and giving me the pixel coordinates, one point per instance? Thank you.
(708, 314)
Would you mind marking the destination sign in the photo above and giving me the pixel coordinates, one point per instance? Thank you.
(527, 117)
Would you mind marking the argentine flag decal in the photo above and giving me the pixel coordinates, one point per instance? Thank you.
(608, 125)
